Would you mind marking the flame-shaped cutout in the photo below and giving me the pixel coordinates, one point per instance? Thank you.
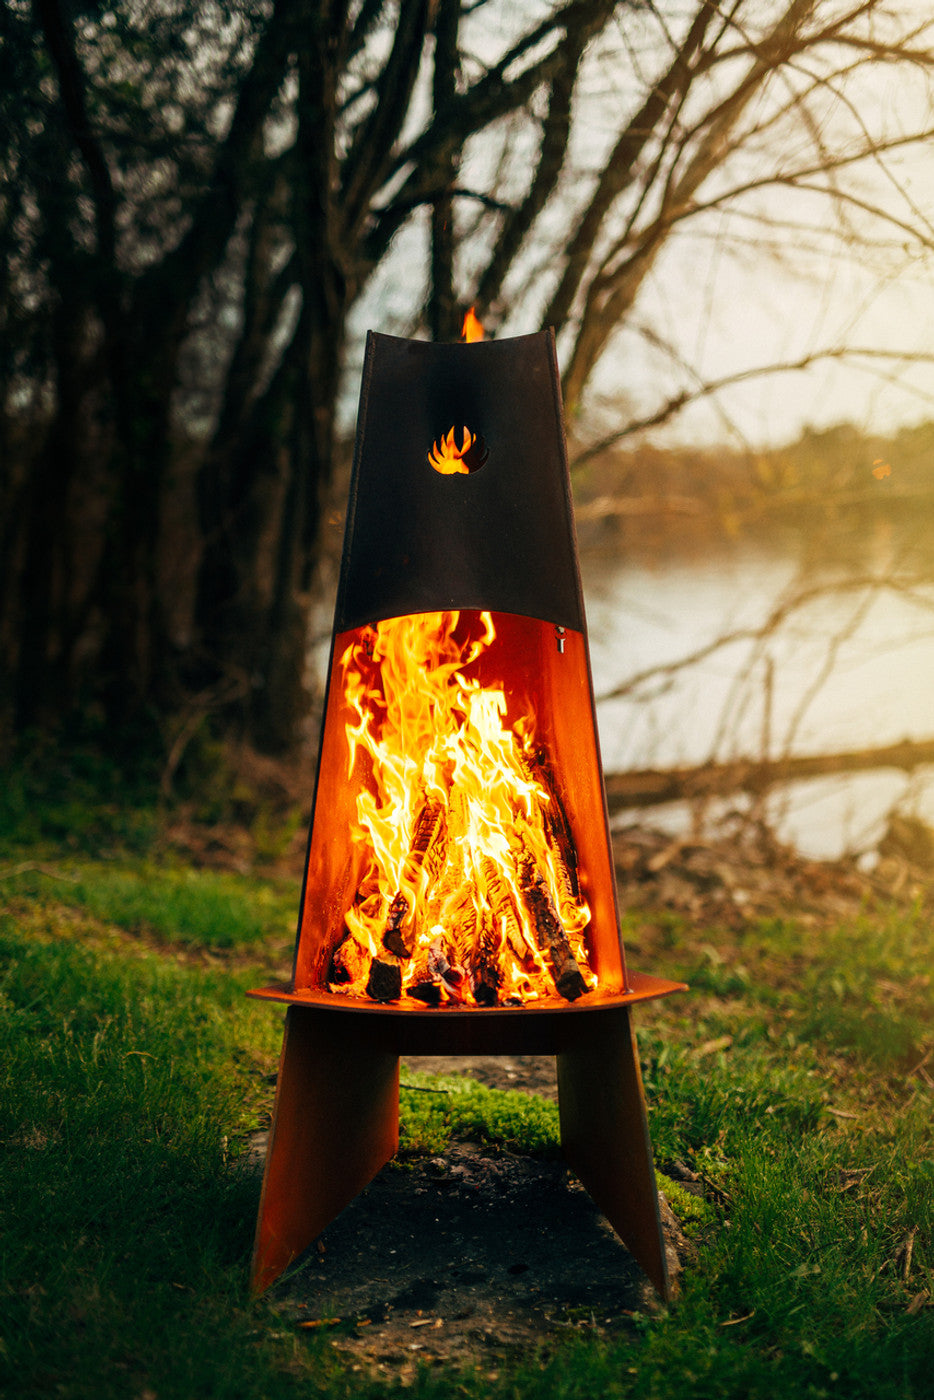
(450, 460)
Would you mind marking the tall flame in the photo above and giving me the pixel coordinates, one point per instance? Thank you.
(466, 888)
(472, 328)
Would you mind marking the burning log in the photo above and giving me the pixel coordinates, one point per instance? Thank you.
(347, 961)
(453, 977)
(427, 838)
(385, 981)
(425, 987)
(502, 906)
(427, 849)
(551, 937)
(486, 975)
(393, 940)
(556, 823)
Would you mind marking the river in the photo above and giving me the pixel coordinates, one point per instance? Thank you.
(850, 669)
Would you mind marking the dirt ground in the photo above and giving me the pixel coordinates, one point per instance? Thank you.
(469, 1255)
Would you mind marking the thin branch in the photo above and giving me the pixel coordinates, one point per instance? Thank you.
(672, 406)
(617, 172)
(785, 608)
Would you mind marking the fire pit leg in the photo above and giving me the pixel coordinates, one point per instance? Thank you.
(336, 1122)
(604, 1133)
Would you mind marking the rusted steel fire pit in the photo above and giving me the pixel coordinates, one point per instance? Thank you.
(459, 893)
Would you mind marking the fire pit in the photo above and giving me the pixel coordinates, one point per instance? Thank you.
(459, 893)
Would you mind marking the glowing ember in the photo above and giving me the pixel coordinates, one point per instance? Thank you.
(469, 893)
(446, 457)
(472, 328)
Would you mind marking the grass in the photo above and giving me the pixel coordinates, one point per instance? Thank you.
(793, 1079)
(436, 1108)
(163, 901)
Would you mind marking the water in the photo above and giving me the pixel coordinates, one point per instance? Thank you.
(851, 668)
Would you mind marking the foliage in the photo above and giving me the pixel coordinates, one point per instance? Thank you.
(79, 795)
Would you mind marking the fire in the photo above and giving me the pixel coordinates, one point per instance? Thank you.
(446, 457)
(472, 328)
(469, 894)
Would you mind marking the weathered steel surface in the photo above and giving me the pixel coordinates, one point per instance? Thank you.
(605, 1135)
(336, 1122)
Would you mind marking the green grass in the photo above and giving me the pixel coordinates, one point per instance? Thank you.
(173, 904)
(436, 1108)
(792, 1079)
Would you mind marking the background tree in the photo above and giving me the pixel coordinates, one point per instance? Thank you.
(197, 202)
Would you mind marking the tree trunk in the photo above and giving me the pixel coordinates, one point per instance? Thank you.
(650, 787)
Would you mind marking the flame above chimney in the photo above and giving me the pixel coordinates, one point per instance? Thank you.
(472, 328)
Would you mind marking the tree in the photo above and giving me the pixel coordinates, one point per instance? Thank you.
(198, 200)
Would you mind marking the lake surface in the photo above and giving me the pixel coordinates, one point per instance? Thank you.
(850, 669)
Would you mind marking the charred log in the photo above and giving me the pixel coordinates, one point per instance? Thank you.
(552, 939)
(347, 961)
(453, 978)
(427, 850)
(425, 988)
(502, 907)
(428, 838)
(385, 981)
(393, 937)
(557, 825)
(485, 973)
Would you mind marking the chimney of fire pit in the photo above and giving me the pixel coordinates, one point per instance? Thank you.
(499, 537)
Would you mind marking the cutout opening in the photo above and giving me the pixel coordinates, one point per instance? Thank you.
(452, 460)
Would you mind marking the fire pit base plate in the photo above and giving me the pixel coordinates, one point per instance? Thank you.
(410, 1028)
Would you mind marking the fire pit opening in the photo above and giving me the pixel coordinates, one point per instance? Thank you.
(470, 893)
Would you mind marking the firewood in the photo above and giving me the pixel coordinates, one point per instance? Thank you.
(427, 835)
(502, 906)
(551, 937)
(426, 850)
(385, 981)
(454, 978)
(485, 971)
(347, 961)
(393, 939)
(429, 992)
(556, 823)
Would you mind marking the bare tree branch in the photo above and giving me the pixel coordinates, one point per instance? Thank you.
(674, 405)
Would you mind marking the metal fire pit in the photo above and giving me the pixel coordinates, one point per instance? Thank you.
(498, 538)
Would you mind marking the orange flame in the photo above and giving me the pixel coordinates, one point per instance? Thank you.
(446, 457)
(472, 328)
(458, 825)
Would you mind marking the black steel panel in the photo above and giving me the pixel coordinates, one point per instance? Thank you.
(500, 538)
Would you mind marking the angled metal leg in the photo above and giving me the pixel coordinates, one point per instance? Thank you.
(336, 1122)
(604, 1133)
